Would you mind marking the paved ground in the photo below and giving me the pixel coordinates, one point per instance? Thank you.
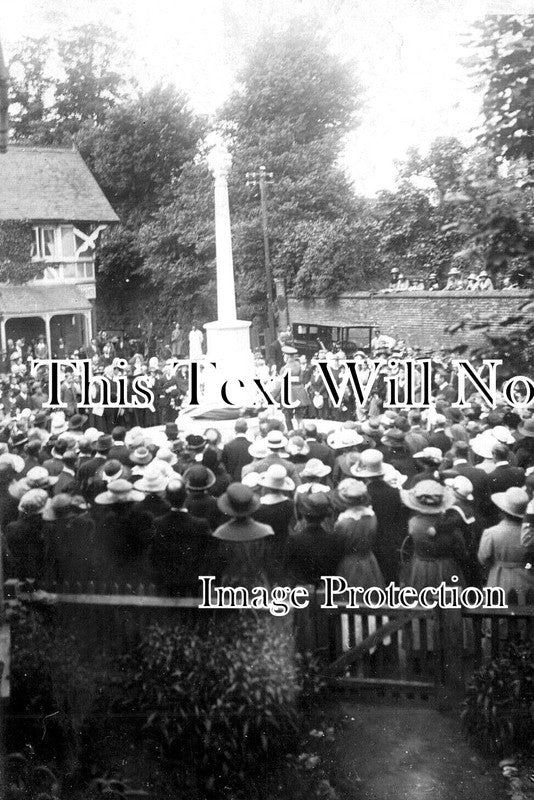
(397, 753)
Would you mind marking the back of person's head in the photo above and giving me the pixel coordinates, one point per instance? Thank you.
(275, 425)
(241, 425)
(415, 418)
(310, 430)
(402, 424)
(176, 492)
(460, 449)
(511, 419)
(500, 452)
(118, 433)
(70, 457)
(210, 459)
(84, 446)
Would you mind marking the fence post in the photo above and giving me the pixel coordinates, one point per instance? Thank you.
(450, 628)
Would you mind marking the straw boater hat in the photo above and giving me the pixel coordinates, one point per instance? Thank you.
(276, 478)
(513, 501)
(314, 468)
(258, 449)
(18, 438)
(289, 351)
(344, 438)
(371, 465)
(120, 491)
(275, 440)
(238, 501)
(526, 428)
(153, 481)
(199, 478)
(33, 502)
(428, 497)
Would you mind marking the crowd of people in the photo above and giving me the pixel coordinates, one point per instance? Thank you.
(405, 495)
(455, 281)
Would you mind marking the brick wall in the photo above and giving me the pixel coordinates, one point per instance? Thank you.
(418, 317)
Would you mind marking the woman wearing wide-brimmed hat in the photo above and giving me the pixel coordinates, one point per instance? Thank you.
(199, 480)
(70, 540)
(243, 556)
(123, 534)
(500, 547)
(24, 546)
(276, 505)
(524, 449)
(439, 548)
(153, 484)
(356, 523)
(463, 516)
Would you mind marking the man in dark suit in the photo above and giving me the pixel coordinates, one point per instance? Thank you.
(118, 449)
(235, 453)
(438, 437)
(391, 514)
(479, 479)
(317, 448)
(89, 469)
(179, 546)
(66, 482)
(504, 475)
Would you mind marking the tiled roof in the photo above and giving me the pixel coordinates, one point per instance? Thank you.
(50, 184)
(32, 300)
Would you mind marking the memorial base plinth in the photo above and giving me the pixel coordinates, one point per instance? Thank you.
(228, 346)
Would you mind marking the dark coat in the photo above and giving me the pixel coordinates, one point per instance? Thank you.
(524, 452)
(321, 451)
(178, 552)
(313, 552)
(70, 549)
(505, 476)
(24, 548)
(121, 453)
(203, 505)
(235, 456)
(66, 483)
(123, 536)
(391, 526)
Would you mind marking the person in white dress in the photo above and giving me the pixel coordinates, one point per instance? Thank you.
(196, 340)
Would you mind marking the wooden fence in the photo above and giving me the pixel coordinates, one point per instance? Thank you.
(392, 653)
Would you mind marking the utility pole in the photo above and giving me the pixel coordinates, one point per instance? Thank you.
(262, 178)
(4, 123)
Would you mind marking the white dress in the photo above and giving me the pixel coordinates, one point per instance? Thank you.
(196, 339)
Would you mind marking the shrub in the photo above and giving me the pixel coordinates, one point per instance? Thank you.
(52, 689)
(498, 707)
(221, 702)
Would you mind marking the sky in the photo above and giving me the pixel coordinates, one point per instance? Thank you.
(406, 54)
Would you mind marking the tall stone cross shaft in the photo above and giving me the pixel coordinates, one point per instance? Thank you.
(220, 162)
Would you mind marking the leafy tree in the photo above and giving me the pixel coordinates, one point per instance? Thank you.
(92, 84)
(502, 60)
(30, 86)
(141, 146)
(294, 104)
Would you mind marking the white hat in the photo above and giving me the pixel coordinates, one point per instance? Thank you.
(276, 477)
(461, 486)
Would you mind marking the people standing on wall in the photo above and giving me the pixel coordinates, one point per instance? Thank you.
(454, 280)
(472, 282)
(485, 284)
(393, 279)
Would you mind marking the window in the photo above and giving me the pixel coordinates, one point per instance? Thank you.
(44, 243)
(67, 242)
